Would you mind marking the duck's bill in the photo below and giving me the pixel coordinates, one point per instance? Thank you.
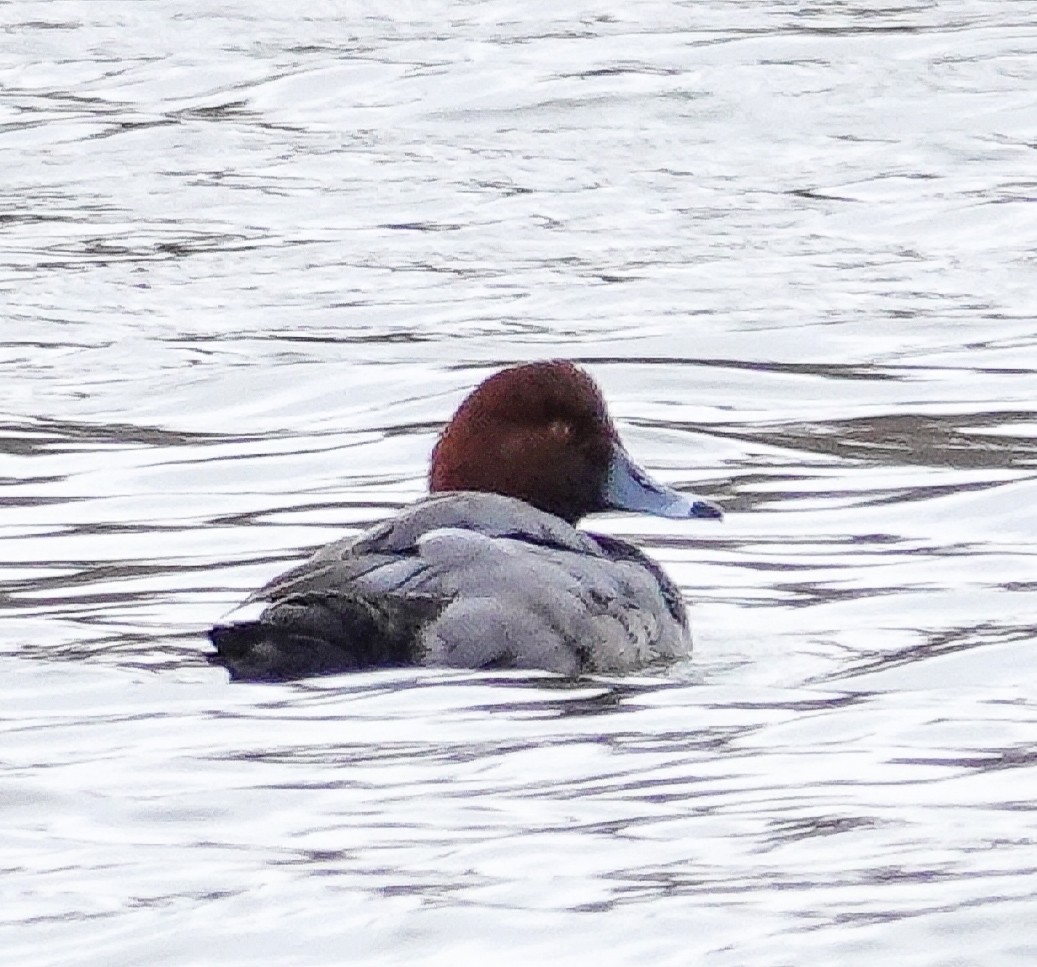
(629, 488)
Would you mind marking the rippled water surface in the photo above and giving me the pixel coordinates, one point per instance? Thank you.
(252, 255)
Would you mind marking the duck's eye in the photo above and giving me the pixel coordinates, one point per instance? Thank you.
(560, 430)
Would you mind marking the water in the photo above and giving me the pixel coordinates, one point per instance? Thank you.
(251, 259)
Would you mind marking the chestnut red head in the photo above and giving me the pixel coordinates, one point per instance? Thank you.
(539, 432)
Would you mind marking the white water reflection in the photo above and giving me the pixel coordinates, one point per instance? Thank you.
(253, 257)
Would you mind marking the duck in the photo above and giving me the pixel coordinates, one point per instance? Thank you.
(489, 570)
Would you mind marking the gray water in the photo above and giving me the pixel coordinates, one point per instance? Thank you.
(253, 254)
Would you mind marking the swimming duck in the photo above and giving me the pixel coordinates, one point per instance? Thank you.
(490, 570)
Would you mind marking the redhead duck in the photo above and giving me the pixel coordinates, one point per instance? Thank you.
(489, 570)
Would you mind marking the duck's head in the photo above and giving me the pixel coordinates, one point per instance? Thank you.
(541, 432)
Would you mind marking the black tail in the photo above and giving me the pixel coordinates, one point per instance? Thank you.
(322, 633)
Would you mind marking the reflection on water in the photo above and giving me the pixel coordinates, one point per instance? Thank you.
(251, 261)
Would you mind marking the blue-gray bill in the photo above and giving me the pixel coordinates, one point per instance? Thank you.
(629, 488)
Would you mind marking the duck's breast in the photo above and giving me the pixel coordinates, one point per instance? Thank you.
(522, 605)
